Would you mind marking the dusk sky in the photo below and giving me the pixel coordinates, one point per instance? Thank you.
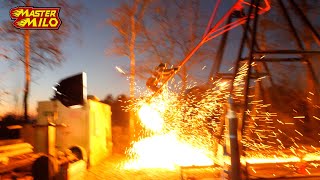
(84, 52)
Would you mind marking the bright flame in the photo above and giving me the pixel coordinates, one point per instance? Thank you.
(166, 151)
(150, 118)
(167, 147)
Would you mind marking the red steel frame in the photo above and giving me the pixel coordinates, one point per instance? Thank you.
(218, 29)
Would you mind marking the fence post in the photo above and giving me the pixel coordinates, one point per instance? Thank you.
(232, 143)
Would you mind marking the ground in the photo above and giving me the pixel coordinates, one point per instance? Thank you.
(110, 169)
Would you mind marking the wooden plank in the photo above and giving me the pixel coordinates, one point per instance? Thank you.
(10, 141)
(16, 152)
(13, 164)
(12, 147)
(11, 127)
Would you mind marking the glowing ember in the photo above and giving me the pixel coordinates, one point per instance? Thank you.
(166, 151)
(272, 160)
(173, 141)
(120, 70)
(183, 129)
(150, 118)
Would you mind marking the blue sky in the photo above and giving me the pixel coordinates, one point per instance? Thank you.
(84, 52)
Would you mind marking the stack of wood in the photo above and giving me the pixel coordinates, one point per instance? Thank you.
(15, 154)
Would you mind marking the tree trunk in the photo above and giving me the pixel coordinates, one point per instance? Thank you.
(132, 66)
(27, 69)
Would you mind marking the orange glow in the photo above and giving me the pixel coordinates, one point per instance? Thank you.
(282, 158)
(312, 157)
(179, 133)
(150, 118)
(166, 147)
(166, 151)
(272, 160)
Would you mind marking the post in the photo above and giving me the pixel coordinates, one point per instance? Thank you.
(27, 70)
(52, 131)
(232, 144)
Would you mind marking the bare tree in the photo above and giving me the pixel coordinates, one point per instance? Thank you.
(35, 48)
(126, 20)
(167, 32)
(170, 31)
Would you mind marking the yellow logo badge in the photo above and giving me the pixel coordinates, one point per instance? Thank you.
(35, 18)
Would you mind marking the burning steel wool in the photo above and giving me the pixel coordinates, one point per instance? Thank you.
(178, 129)
(182, 129)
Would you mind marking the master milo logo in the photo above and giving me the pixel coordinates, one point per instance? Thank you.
(35, 18)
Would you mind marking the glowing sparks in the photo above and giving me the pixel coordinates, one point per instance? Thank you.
(180, 136)
(150, 118)
(120, 70)
(168, 146)
(297, 117)
(166, 151)
(298, 132)
(272, 160)
(203, 67)
(184, 129)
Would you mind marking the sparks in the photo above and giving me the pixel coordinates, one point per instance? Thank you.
(120, 70)
(184, 129)
(166, 151)
(150, 118)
